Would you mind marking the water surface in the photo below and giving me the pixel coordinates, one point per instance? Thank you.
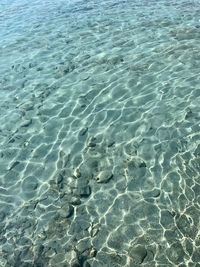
(99, 125)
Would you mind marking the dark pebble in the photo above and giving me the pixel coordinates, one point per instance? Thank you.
(142, 165)
(188, 114)
(14, 165)
(60, 179)
(39, 68)
(31, 65)
(83, 131)
(84, 191)
(111, 143)
(12, 140)
(91, 144)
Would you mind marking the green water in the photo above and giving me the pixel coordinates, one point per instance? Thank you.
(99, 133)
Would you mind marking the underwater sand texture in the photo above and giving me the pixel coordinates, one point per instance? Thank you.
(99, 133)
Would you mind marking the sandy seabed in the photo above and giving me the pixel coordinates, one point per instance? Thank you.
(99, 133)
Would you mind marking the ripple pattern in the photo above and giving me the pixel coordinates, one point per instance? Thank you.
(100, 133)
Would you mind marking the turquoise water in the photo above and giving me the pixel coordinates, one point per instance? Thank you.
(100, 133)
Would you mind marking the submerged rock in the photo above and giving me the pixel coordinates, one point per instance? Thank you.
(13, 165)
(91, 142)
(152, 193)
(138, 254)
(111, 143)
(175, 253)
(26, 123)
(83, 191)
(104, 176)
(66, 211)
(27, 106)
(83, 131)
(75, 201)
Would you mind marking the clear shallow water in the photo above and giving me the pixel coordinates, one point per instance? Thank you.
(99, 124)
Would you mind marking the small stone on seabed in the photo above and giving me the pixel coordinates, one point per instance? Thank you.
(83, 131)
(75, 201)
(27, 106)
(83, 245)
(60, 178)
(13, 165)
(111, 143)
(77, 173)
(153, 193)
(66, 211)
(84, 191)
(85, 76)
(138, 254)
(104, 177)
(93, 252)
(142, 165)
(91, 144)
(94, 229)
(26, 123)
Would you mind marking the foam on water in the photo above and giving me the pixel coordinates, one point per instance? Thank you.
(100, 133)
